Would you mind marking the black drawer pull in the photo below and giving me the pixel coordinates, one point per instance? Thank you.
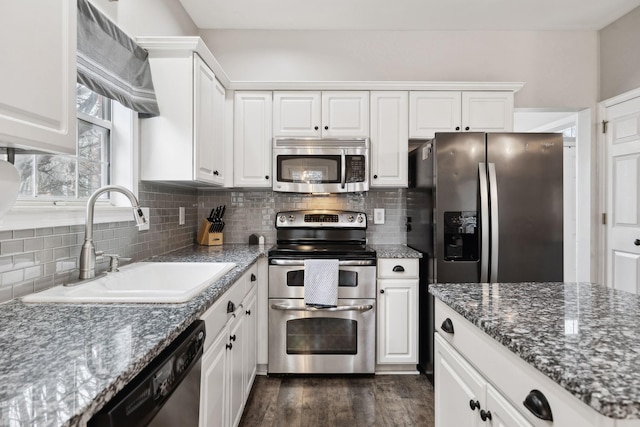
(636, 242)
(538, 404)
(447, 326)
(229, 346)
(232, 337)
(474, 404)
(398, 269)
(231, 307)
(253, 277)
(485, 415)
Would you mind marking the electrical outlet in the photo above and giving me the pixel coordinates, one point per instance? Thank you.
(145, 211)
(378, 216)
(181, 215)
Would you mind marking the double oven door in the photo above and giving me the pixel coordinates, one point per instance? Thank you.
(309, 340)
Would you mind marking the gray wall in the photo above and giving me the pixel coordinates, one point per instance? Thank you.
(620, 56)
(253, 212)
(560, 69)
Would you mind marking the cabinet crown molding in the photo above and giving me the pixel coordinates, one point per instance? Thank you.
(377, 85)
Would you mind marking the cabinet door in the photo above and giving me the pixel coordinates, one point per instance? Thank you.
(397, 321)
(251, 347)
(252, 137)
(213, 387)
(345, 114)
(204, 131)
(487, 111)
(38, 82)
(503, 413)
(456, 384)
(296, 114)
(236, 395)
(434, 111)
(389, 138)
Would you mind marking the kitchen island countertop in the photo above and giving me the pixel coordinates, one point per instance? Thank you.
(583, 336)
(60, 363)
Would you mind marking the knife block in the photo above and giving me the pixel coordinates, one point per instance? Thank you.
(205, 237)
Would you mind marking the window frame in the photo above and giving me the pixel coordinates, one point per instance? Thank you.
(31, 214)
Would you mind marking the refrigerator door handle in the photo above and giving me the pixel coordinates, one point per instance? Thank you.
(495, 224)
(484, 222)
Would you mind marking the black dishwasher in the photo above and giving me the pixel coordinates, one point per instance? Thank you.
(165, 393)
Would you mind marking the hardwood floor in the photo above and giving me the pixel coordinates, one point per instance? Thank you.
(353, 401)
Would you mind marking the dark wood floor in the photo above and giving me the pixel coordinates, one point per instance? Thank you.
(310, 401)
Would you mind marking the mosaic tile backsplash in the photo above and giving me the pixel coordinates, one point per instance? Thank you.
(36, 259)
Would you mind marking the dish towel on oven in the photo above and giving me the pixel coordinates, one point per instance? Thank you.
(321, 282)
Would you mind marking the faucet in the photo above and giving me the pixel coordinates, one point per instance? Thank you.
(88, 252)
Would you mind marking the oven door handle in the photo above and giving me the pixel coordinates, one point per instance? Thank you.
(300, 262)
(284, 307)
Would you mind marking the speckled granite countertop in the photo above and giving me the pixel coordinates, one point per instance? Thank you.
(395, 251)
(60, 363)
(583, 336)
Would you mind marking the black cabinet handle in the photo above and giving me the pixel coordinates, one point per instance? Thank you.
(485, 415)
(216, 173)
(474, 404)
(538, 404)
(231, 307)
(266, 177)
(375, 176)
(326, 128)
(467, 128)
(382, 291)
(248, 312)
(457, 127)
(253, 277)
(229, 346)
(232, 337)
(447, 326)
(636, 242)
(315, 128)
(398, 269)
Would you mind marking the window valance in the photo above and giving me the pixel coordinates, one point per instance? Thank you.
(112, 64)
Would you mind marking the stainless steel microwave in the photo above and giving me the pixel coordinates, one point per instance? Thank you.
(308, 165)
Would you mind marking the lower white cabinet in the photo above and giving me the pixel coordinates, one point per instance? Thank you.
(464, 398)
(397, 317)
(229, 363)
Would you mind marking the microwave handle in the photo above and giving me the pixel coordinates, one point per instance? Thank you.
(343, 175)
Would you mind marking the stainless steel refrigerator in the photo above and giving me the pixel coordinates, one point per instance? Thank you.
(484, 207)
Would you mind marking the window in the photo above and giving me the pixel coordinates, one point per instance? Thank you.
(66, 177)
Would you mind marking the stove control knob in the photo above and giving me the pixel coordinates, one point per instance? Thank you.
(282, 218)
(292, 218)
(360, 218)
(350, 218)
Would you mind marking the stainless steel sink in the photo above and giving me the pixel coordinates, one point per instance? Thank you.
(143, 282)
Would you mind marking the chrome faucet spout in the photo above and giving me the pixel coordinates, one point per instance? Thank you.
(88, 252)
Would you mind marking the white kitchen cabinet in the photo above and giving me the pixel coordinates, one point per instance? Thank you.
(389, 138)
(185, 143)
(252, 139)
(397, 316)
(329, 114)
(452, 111)
(38, 83)
(467, 352)
(229, 360)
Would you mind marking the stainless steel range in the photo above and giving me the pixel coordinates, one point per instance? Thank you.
(310, 340)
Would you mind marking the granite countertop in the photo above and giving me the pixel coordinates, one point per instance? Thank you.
(581, 335)
(60, 363)
(395, 251)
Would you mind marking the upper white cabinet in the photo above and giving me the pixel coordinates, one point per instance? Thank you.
(38, 77)
(389, 138)
(252, 139)
(321, 114)
(451, 111)
(185, 143)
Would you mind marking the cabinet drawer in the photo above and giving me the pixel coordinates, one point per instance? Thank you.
(398, 268)
(512, 376)
(216, 317)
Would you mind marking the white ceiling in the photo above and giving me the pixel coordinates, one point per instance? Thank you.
(407, 14)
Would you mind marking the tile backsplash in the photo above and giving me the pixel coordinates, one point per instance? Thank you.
(36, 259)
